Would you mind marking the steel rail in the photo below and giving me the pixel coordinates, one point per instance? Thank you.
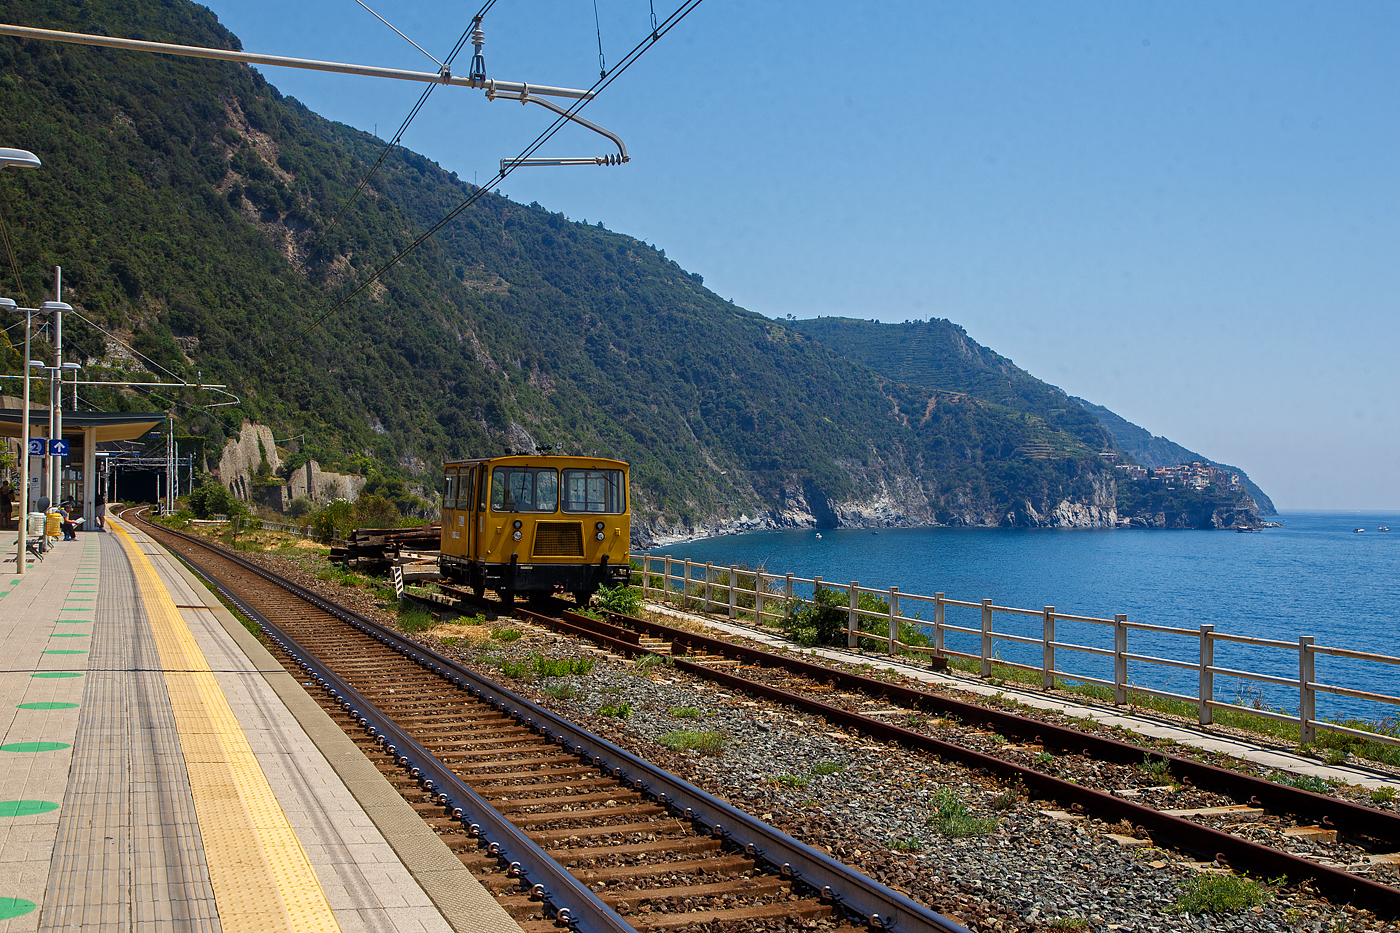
(1340, 814)
(850, 891)
(1184, 834)
(572, 900)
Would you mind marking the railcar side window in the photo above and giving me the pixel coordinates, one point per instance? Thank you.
(595, 491)
(449, 491)
(467, 494)
(524, 489)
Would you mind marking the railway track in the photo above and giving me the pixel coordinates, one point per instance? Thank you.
(1232, 818)
(562, 826)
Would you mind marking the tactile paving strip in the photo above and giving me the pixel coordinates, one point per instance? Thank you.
(261, 878)
(127, 849)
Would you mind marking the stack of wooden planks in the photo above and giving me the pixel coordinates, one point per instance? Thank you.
(378, 549)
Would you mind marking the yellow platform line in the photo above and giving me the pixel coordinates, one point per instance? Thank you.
(261, 878)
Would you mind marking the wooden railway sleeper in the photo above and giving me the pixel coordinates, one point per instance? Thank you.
(857, 894)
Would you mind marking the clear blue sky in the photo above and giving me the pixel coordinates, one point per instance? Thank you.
(1186, 211)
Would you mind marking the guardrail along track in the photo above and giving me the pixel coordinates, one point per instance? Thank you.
(511, 785)
(1242, 797)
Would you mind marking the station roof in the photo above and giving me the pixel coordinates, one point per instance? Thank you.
(109, 425)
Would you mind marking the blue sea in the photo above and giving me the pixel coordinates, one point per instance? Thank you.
(1314, 576)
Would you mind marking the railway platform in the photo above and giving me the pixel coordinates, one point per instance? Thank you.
(159, 770)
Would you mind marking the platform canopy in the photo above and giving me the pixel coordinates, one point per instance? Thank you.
(105, 425)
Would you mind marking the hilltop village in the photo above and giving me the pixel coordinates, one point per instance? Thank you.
(1186, 495)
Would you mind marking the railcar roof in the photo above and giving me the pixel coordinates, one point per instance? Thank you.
(540, 460)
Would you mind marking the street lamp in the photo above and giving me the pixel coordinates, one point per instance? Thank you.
(18, 158)
(21, 158)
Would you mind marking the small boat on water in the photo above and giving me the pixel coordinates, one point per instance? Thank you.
(819, 534)
(1382, 527)
(1357, 531)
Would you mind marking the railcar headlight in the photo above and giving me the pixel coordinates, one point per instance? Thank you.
(599, 526)
(599, 536)
(516, 524)
(516, 536)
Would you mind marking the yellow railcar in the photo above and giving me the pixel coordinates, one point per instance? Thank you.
(536, 525)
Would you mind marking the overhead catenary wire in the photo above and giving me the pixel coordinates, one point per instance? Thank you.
(559, 123)
(403, 127)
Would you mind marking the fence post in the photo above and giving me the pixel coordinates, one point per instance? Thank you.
(685, 585)
(758, 597)
(733, 592)
(938, 608)
(1120, 660)
(853, 617)
(667, 577)
(1047, 650)
(894, 619)
(787, 595)
(646, 575)
(1207, 691)
(1307, 695)
(709, 581)
(987, 637)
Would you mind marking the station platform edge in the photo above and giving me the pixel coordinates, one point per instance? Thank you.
(160, 770)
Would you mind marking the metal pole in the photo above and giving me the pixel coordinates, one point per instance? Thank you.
(443, 77)
(56, 401)
(24, 452)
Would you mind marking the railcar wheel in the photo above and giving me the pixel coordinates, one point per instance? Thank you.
(478, 590)
(507, 598)
(583, 598)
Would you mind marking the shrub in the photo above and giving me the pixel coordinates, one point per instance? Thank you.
(506, 634)
(515, 670)
(561, 691)
(620, 711)
(299, 507)
(373, 511)
(622, 600)
(685, 712)
(1214, 893)
(1382, 794)
(828, 767)
(333, 521)
(821, 622)
(213, 498)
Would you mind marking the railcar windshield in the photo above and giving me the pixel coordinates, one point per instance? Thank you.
(595, 491)
(524, 489)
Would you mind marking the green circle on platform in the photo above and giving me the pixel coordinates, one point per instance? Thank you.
(51, 675)
(33, 747)
(63, 651)
(25, 807)
(47, 706)
(15, 907)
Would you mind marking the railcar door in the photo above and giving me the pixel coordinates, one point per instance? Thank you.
(466, 502)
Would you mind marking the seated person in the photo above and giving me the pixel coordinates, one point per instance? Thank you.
(67, 523)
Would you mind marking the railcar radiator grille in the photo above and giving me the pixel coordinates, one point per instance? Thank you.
(558, 539)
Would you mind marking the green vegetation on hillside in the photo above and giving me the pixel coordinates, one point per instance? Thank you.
(189, 205)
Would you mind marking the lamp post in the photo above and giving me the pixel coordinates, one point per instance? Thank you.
(21, 158)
